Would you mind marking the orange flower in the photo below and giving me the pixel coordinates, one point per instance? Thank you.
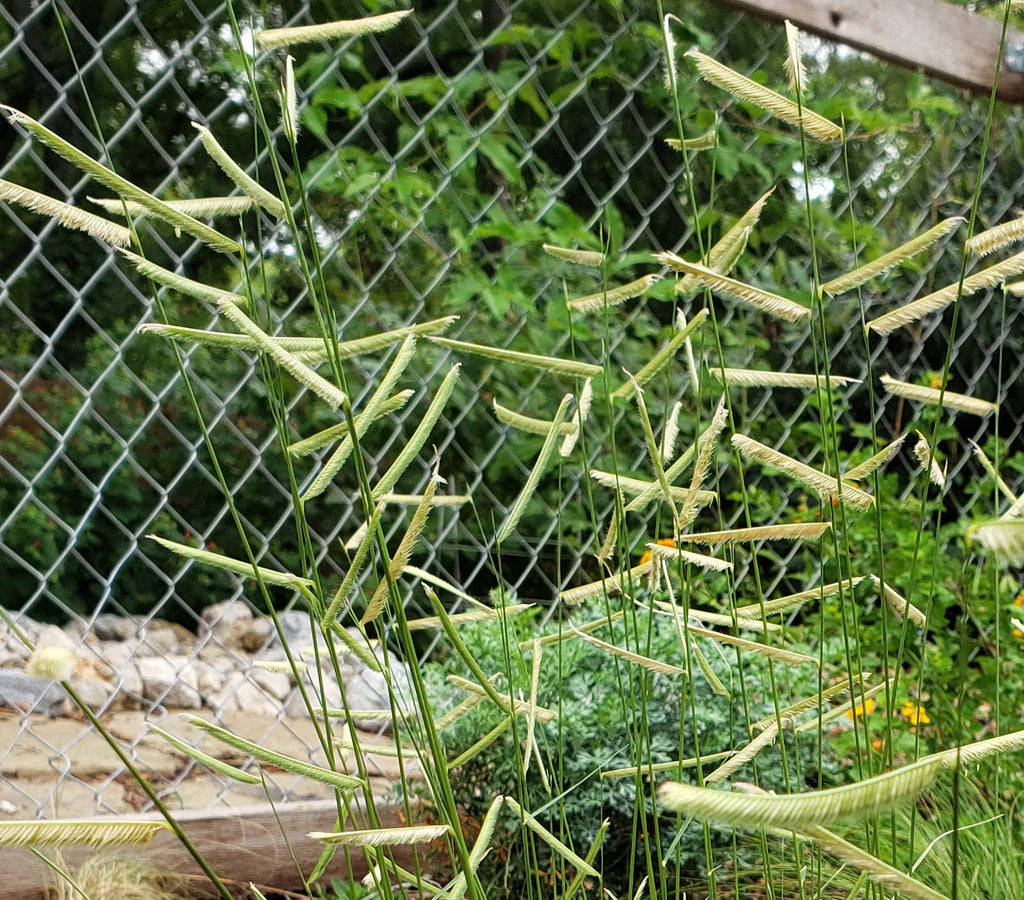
(861, 709)
(914, 713)
(664, 542)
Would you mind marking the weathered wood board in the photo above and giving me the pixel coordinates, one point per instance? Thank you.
(948, 42)
(242, 844)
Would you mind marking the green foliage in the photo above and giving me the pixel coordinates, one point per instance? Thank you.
(613, 715)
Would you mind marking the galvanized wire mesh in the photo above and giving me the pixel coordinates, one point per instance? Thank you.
(97, 454)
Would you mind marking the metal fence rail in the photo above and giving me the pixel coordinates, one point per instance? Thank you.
(98, 445)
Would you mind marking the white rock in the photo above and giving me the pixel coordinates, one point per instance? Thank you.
(211, 679)
(95, 692)
(52, 636)
(295, 708)
(170, 681)
(228, 622)
(276, 684)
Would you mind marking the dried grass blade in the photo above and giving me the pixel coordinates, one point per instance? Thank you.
(615, 296)
(419, 436)
(765, 301)
(65, 214)
(802, 812)
(886, 875)
(705, 141)
(529, 424)
(757, 378)
(477, 615)
(940, 299)
(826, 486)
(814, 126)
(883, 264)
(610, 584)
(546, 452)
(590, 258)
(383, 837)
(662, 358)
(482, 744)
(794, 60)
(790, 532)
(1013, 512)
(122, 186)
(788, 657)
(198, 206)
(670, 554)
(372, 411)
(950, 400)
(993, 239)
(554, 843)
(340, 431)
(653, 768)
(354, 570)
(743, 756)
(338, 780)
(654, 665)
(564, 635)
(519, 707)
(552, 364)
(403, 553)
(671, 433)
(1004, 537)
(329, 31)
(189, 288)
(899, 604)
(865, 468)
(243, 181)
(702, 466)
(927, 461)
(783, 604)
(237, 566)
(815, 702)
(724, 255)
(91, 832)
(969, 754)
(204, 759)
(331, 395)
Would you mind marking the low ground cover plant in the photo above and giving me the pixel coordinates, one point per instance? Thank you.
(708, 713)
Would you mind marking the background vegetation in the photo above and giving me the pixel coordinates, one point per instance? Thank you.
(437, 168)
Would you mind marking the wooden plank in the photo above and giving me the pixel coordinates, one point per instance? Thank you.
(242, 844)
(949, 42)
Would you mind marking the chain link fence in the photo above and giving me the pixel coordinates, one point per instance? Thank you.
(442, 156)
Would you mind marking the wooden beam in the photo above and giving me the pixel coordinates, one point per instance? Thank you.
(947, 41)
(242, 844)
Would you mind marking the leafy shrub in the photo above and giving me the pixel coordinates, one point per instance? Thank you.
(612, 715)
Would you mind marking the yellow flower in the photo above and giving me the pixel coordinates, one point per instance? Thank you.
(861, 709)
(914, 713)
(664, 542)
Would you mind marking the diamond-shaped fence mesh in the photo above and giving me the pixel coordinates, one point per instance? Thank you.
(440, 157)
